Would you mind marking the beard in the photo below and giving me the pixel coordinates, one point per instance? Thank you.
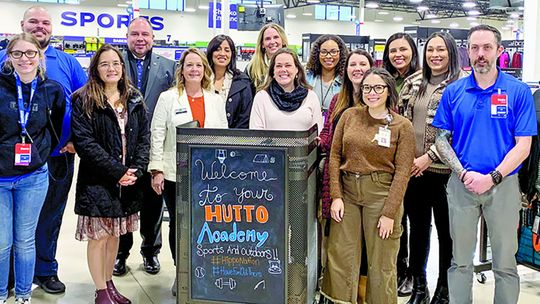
(482, 69)
(44, 43)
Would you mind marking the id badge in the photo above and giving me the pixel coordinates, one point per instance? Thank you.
(536, 224)
(23, 154)
(499, 105)
(383, 137)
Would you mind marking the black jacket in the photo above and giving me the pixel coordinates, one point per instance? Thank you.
(98, 143)
(239, 102)
(43, 126)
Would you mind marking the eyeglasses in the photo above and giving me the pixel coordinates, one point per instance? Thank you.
(378, 88)
(117, 65)
(325, 53)
(28, 54)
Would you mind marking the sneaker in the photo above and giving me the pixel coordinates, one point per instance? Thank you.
(50, 284)
(23, 301)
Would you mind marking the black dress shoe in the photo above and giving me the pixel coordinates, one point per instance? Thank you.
(119, 267)
(151, 264)
(420, 292)
(441, 295)
(405, 289)
(50, 284)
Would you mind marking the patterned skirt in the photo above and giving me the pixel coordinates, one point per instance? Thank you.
(95, 228)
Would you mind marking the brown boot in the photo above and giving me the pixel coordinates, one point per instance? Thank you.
(117, 296)
(103, 297)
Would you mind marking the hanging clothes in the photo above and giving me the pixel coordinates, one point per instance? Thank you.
(504, 60)
(517, 60)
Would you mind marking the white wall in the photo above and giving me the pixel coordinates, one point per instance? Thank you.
(190, 27)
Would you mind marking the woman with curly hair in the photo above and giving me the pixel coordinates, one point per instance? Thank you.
(271, 38)
(325, 67)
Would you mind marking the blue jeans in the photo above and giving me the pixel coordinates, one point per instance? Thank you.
(20, 204)
(50, 219)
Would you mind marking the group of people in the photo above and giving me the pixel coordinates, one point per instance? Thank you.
(401, 142)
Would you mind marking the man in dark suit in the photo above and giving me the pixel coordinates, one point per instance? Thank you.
(151, 74)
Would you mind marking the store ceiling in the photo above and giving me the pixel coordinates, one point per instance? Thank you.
(435, 8)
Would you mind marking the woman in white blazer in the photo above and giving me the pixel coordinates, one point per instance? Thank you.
(191, 99)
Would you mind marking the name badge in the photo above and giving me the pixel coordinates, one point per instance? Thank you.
(23, 154)
(383, 137)
(499, 105)
(181, 111)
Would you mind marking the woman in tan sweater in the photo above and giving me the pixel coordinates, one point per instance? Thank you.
(370, 162)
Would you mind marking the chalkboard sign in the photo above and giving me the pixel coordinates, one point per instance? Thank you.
(237, 224)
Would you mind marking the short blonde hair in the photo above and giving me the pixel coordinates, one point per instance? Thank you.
(207, 80)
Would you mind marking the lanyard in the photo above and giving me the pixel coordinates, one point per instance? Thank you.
(330, 86)
(24, 113)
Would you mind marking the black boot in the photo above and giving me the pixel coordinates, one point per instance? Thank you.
(420, 292)
(441, 294)
(406, 286)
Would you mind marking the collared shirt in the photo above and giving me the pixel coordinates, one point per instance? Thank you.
(480, 141)
(226, 87)
(133, 69)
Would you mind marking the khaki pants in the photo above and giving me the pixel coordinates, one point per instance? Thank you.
(363, 198)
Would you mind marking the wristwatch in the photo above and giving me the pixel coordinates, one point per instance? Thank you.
(496, 177)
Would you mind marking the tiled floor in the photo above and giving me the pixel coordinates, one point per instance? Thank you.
(143, 288)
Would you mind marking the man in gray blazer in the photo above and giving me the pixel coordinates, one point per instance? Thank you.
(152, 74)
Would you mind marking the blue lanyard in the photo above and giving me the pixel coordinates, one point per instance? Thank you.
(24, 113)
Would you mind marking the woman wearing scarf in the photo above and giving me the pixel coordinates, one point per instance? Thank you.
(286, 101)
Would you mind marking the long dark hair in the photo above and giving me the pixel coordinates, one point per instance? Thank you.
(300, 79)
(390, 86)
(314, 63)
(214, 44)
(92, 93)
(345, 98)
(415, 61)
(453, 61)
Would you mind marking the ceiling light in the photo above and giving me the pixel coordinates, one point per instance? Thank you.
(190, 10)
(514, 15)
(307, 14)
(435, 21)
(415, 1)
(291, 16)
(472, 18)
(431, 16)
(122, 5)
(372, 5)
(422, 8)
(474, 24)
(454, 25)
(378, 20)
(129, 2)
(521, 8)
(509, 21)
(203, 7)
(313, 1)
(469, 4)
(397, 18)
(473, 13)
(383, 13)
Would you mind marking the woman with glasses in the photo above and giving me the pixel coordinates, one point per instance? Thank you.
(31, 114)
(112, 138)
(325, 67)
(400, 58)
(286, 101)
(271, 38)
(370, 161)
(419, 100)
(233, 86)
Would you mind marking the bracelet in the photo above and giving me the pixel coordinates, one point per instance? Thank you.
(463, 175)
(432, 156)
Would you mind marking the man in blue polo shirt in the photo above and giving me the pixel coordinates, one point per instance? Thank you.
(490, 119)
(66, 70)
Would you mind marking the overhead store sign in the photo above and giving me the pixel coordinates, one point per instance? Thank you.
(233, 16)
(105, 20)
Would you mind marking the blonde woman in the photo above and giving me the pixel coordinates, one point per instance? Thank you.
(191, 99)
(271, 38)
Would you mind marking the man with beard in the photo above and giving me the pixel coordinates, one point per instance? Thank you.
(152, 74)
(490, 118)
(66, 70)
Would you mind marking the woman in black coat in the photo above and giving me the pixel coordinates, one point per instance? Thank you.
(112, 137)
(231, 84)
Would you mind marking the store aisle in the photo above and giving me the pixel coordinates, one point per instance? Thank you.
(143, 288)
